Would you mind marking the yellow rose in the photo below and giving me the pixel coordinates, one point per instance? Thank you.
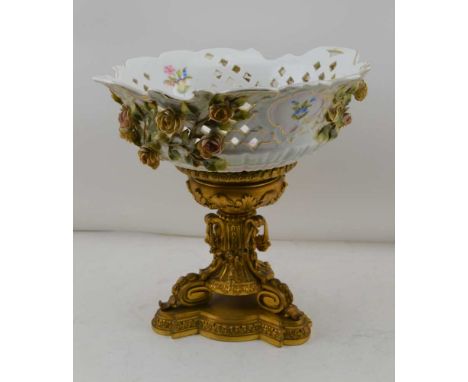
(361, 91)
(334, 113)
(220, 112)
(168, 121)
(149, 157)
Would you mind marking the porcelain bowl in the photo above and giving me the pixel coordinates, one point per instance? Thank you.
(230, 110)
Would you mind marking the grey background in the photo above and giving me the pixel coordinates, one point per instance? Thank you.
(345, 191)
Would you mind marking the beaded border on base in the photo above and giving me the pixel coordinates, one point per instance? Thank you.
(260, 327)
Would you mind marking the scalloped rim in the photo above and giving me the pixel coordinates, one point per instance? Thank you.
(364, 67)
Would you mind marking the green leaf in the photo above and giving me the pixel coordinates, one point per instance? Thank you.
(163, 137)
(220, 164)
(239, 101)
(151, 105)
(217, 98)
(116, 98)
(209, 123)
(185, 137)
(137, 114)
(184, 108)
(323, 135)
(188, 159)
(174, 154)
(209, 165)
(225, 127)
(215, 164)
(187, 109)
(241, 115)
(156, 146)
(139, 109)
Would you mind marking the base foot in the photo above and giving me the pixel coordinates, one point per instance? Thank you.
(228, 318)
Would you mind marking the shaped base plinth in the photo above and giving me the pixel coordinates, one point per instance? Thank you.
(232, 318)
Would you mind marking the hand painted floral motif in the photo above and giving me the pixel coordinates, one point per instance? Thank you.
(178, 78)
(192, 132)
(337, 115)
(301, 109)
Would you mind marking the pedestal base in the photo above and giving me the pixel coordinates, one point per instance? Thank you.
(232, 318)
(237, 297)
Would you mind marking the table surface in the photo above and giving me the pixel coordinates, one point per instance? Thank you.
(346, 288)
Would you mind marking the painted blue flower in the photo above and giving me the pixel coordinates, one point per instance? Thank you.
(301, 109)
(301, 112)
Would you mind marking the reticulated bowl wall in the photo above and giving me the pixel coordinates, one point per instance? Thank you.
(229, 110)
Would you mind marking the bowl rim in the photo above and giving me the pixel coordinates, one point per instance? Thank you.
(362, 68)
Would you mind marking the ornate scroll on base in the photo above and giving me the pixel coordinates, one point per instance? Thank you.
(254, 303)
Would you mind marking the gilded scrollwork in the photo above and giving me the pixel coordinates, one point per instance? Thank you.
(253, 239)
(215, 232)
(234, 239)
(189, 290)
(238, 177)
(235, 233)
(276, 297)
(240, 203)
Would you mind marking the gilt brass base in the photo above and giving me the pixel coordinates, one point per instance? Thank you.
(237, 297)
(232, 319)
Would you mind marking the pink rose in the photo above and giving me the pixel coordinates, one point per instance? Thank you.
(125, 119)
(347, 119)
(210, 145)
(169, 70)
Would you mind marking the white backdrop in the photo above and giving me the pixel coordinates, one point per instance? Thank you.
(345, 191)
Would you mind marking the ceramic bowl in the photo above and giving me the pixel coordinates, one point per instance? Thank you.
(230, 110)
